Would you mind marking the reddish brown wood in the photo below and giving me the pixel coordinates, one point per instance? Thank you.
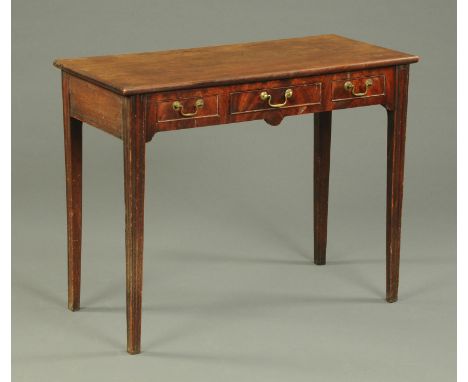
(395, 171)
(131, 97)
(322, 141)
(166, 112)
(73, 170)
(232, 103)
(274, 117)
(250, 101)
(313, 96)
(241, 102)
(161, 117)
(134, 139)
(231, 64)
(381, 90)
(96, 106)
(376, 89)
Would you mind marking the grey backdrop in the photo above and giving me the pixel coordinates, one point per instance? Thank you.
(230, 291)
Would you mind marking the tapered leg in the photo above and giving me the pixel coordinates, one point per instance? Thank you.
(322, 140)
(134, 174)
(395, 170)
(73, 170)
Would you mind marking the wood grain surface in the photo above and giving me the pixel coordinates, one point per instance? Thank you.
(73, 139)
(229, 79)
(395, 171)
(226, 64)
(322, 144)
(134, 189)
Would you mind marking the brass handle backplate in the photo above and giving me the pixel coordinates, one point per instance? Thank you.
(349, 86)
(264, 96)
(177, 106)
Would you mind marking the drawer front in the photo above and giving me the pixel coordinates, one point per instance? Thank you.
(275, 98)
(358, 87)
(187, 108)
(184, 109)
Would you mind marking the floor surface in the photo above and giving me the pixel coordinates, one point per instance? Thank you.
(230, 289)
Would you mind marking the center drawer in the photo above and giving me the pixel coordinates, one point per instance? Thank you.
(275, 98)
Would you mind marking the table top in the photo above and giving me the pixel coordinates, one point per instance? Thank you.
(138, 73)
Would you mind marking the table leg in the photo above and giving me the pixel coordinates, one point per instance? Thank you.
(322, 140)
(134, 174)
(395, 170)
(73, 171)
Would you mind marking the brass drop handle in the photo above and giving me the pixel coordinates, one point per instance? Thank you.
(349, 86)
(287, 94)
(177, 106)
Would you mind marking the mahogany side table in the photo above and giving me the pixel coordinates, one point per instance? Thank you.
(135, 96)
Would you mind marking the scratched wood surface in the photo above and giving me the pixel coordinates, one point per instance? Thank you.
(227, 64)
